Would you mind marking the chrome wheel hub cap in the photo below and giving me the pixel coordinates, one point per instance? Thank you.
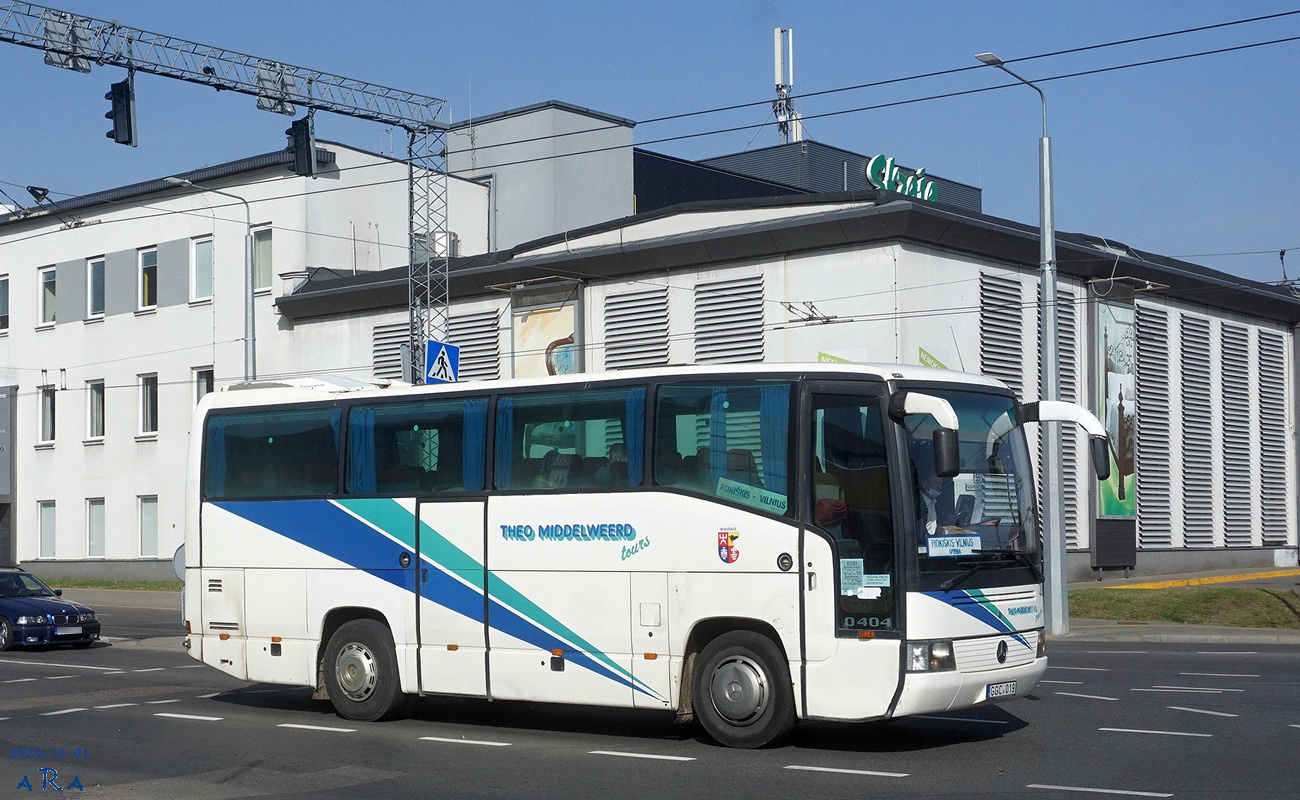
(739, 690)
(356, 672)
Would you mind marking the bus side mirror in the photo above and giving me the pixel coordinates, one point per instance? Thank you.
(947, 453)
(1100, 456)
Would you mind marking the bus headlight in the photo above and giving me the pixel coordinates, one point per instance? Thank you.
(1042, 646)
(930, 656)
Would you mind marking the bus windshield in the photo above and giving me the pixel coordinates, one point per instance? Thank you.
(982, 521)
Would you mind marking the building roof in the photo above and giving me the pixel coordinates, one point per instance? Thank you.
(543, 106)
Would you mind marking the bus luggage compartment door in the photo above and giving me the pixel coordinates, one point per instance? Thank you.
(450, 575)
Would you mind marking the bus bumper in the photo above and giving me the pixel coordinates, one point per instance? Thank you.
(934, 692)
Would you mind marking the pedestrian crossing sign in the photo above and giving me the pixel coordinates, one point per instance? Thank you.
(441, 362)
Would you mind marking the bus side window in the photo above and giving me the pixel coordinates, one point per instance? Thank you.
(405, 449)
(572, 439)
(272, 454)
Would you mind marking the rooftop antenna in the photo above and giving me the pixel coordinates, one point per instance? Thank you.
(789, 125)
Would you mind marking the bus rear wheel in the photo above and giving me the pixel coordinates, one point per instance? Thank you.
(361, 672)
(741, 693)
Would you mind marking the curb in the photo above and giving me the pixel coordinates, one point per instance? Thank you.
(1105, 631)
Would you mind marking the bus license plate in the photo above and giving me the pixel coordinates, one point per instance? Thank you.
(997, 690)
(67, 631)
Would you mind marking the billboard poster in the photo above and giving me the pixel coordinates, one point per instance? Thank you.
(545, 341)
(1118, 406)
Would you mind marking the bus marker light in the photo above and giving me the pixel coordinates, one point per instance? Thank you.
(651, 656)
(453, 647)
(276, 639)
(866, 634)
(557, 652)
(187, 627)
(224, 636)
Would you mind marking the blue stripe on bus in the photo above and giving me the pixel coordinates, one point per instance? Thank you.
(357, 544)
(975, 604)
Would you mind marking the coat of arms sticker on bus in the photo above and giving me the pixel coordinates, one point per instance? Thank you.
(727, 550)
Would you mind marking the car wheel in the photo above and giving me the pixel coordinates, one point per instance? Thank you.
(6, 635)
(361, 672)
(742, 693)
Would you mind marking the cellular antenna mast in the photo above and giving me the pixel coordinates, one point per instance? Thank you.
(76, 43)
(789, 125)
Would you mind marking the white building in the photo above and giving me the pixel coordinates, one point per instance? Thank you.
(761, 270)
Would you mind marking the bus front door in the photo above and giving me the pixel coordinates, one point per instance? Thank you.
(452, 636)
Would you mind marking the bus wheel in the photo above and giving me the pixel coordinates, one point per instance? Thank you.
(741, 690)
(361, 672)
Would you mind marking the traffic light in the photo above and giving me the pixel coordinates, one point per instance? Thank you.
(122, 96)
(302, 141)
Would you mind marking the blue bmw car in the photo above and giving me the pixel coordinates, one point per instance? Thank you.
(32, 613)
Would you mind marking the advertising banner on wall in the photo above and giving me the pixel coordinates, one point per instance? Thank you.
(545, 341)
(1117, 406)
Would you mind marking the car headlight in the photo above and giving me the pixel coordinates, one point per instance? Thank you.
(87, 617)
(930, 656)
(31, 620)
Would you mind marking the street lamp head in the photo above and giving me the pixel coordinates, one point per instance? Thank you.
(989, 59)
(178, 181)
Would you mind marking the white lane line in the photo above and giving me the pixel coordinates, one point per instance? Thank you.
(1119, 652)
(1157, 733)
(849, 771)
(1180, 691)
(151, 669)
(119, 672)
(59, 677)
(208, 696)
(315, 728)
(463, 741)
(1080, 669)
(1065, 683)
(188, 716)
(1216, 675)
(638, 755)
(1226, 653)
(161, 702)
(1201, 711)
(117, 705)
(51, 664)
(259, 691)
(964, 719)
(2, 719)
(191, 666)
(18, 680)
(1085, 696)
(1097, 791)
(1197, 688)
(1294, 726)
(64, 711)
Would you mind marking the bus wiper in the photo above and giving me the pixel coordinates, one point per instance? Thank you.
(961, 578)
(1022, 557)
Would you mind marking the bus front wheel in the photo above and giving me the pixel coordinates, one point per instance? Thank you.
(361, 672)
(741, 690)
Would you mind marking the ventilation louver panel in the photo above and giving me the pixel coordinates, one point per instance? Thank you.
(636, 329)
(1197, 433)
(479, 340)
(1001, 330)
(1272, 434)
(386, 350)
(1154, 454)
(729, 321)
(1235, 421)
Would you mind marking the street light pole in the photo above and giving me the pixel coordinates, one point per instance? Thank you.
(250, 337)
(1058, 608)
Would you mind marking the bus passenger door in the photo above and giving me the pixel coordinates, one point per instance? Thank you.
(449, 592)
(851, 567)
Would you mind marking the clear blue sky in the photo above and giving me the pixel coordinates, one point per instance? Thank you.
(1193, 157)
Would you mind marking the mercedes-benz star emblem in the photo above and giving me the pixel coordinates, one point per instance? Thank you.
(1002, 652)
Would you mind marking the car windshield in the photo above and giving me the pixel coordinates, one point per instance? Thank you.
(20, 584)
(984, 519)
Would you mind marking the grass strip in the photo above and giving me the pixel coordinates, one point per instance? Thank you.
(1193, 605)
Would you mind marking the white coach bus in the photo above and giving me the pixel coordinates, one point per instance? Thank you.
(746, 545)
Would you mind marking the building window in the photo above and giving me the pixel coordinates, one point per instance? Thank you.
(95, 287)
(149, 525)
(4, 303)
(148, 279)
(48, 295)
(95, 527)
(148, 403)
(204, 383)
(46, 523)
(94, 409)
(262, 259)
(201, 277)
(47, 415)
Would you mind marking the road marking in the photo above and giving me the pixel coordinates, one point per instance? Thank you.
(964, 719)
(1119, 652)
(64, 711)
(161, 702)
(315, 728)
(2, 719)
(1201, 711)
(1216, 675)
(1097, 791)
(849, 771)
(1085, 696)
(1180, 691)
(1080, 669)
(1285, 573)
(1198, 688)
(1226, 653)
(118, 705)
(1158, 733)
(1065, 683)
(151, 669)
(463, 741)
(1293, 726)
(18, 680)
(59, 677)
(188, 716)
(49, 664)
(638, 755)
(260, 691)
(208, 696)
(191, 666)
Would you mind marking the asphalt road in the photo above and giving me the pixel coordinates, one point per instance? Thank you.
(1182, 720)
